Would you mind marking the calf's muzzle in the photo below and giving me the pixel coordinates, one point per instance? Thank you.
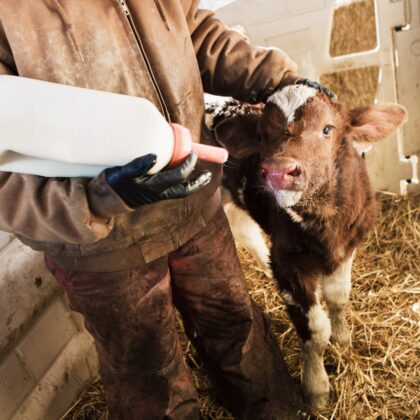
(281, 174)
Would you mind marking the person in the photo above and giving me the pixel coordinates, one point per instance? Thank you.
(128, 248)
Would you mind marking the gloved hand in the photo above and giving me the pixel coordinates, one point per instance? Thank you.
(291, 78)
(318, 87)
(132, 184)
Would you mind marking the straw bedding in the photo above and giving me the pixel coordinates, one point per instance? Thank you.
(379, 376)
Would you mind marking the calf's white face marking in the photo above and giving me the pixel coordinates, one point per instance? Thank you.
(290, 98)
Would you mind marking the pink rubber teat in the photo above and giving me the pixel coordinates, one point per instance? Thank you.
(183, 145)
(210, 153)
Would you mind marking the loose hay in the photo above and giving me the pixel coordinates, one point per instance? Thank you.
(91, 404)
(379, 376)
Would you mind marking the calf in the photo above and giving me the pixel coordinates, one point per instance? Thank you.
(293, 168)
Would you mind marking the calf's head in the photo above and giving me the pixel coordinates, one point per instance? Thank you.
(300, 136)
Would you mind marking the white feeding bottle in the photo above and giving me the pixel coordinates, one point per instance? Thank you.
(57, 130)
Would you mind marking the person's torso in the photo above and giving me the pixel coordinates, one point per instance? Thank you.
(144, 49)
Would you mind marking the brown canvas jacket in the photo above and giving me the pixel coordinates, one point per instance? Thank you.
(162, 50)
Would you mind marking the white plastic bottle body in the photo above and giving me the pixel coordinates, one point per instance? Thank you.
(79, 126)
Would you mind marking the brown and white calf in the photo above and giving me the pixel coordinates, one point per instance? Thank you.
(294, 169)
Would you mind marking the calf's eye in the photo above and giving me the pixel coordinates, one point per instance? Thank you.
(327, 130)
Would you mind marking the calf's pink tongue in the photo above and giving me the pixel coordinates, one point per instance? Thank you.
(276, 180)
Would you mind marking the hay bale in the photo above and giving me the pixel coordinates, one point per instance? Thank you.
(354, 87)
(354, 30)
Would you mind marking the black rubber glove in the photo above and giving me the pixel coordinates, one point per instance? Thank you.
(132, 184)
(291, 78)
(318, 87)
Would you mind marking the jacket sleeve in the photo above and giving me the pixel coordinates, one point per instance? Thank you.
(76, 210)
(229, 64)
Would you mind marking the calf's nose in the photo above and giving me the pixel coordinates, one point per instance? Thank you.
(280, 176)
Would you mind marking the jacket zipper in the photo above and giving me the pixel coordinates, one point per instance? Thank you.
(127, 13)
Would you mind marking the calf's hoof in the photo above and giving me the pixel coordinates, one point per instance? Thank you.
(318, 402)
(316, 390)
(341, 336)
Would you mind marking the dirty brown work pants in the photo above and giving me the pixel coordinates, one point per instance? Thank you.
(130, 314)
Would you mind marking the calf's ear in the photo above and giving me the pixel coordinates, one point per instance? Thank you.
(238, 135)
(375, 122)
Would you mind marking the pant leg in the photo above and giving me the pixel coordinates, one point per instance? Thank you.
(230, 333)
(131, 317)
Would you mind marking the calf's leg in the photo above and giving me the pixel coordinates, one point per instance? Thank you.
(313, 328)
(247, 232)
(315, 378)
(336, 291)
